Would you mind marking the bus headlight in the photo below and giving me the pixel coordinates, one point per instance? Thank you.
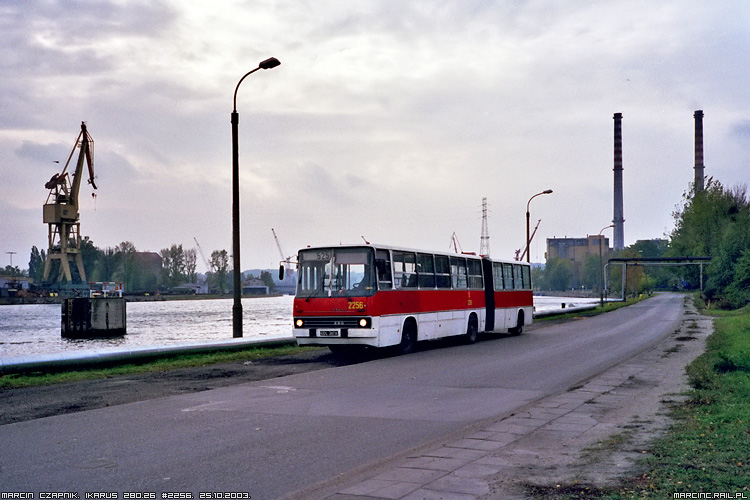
(363, 322)
(299, 323)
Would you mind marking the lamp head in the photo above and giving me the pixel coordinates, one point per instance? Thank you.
(269, 63)
(548, 191)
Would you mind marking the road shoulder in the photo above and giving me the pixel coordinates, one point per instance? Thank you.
(30, 403)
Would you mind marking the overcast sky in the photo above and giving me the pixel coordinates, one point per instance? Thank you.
(387, 120)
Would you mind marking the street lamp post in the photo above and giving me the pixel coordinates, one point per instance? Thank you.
(601, 267)
(237, 307)
(528, 238)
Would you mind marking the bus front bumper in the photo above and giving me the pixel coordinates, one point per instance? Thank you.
(331, 331)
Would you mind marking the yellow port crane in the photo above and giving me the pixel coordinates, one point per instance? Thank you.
(60, 211)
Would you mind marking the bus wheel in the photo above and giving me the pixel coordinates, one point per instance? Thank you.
(472, 331)
(408, 339)
(518, 330)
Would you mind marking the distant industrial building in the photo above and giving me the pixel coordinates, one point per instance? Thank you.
(254, 286)
(577, 249)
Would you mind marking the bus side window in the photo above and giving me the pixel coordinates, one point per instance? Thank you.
(404, 269)
(508, 276)
(458, 272)
(527, 277)
(497, 275)
(443, 271)
(517, 279)
(425, 270)
(383, 268)
(475, 274)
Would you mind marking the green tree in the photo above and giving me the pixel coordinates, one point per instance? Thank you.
(714, 222)
(173, 265)
(36, 264)
(559, 274)
(738, 291)
(267, 279)
(704, 218)
(128, 272)
(654, 276)
(191, 265)
(591, 272)
(107, 264)
(538, 278)
(14, 271)
(90, 256)
(220, 266)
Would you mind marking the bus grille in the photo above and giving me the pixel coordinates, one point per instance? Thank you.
(331, 322)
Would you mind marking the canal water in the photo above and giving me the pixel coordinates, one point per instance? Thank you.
(34, 329)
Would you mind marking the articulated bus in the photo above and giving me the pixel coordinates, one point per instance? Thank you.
(352, 296)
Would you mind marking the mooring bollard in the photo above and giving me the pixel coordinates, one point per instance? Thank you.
(89, 317)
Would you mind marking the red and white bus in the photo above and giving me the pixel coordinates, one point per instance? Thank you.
(378, 296)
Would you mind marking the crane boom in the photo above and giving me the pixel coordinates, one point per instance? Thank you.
(209, 267)
(87, 144)
(456, 244)
(530, 240)
(285, 260)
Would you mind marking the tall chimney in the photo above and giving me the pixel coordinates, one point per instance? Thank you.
(699, 176)
(619, 221)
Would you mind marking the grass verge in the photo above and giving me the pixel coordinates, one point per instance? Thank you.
(16, 380)
(707, 449)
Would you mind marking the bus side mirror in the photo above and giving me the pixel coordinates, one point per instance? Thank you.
(281, 272)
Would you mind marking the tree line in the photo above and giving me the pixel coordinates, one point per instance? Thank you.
(137, 271)
(716, 222)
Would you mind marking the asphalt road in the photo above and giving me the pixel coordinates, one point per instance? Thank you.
(272, 437)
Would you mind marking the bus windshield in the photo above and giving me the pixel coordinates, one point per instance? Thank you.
(335, 272)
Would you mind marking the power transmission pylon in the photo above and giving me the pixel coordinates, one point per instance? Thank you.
(484, 244)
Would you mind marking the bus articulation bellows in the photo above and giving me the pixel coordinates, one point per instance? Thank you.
(378, 296)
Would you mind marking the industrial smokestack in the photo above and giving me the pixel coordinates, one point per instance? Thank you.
(699, 176)
(619, 221)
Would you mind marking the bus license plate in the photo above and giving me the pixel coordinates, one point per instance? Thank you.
(328, 333)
